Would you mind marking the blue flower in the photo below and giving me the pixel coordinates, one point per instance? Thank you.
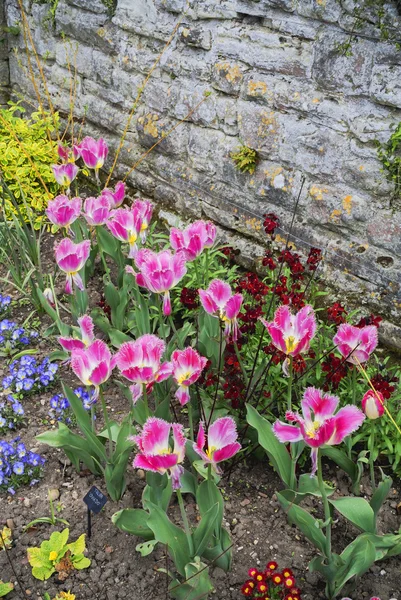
(18, 468)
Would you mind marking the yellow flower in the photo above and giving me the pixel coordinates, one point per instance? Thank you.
(53, 555)
(5, 538)
(65, 596)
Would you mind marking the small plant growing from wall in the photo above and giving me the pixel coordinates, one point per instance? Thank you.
(245, 159)
(389, 154)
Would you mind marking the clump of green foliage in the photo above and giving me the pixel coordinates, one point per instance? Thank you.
(51, 17)
(245, 159)
(55, 554)
(5, 588)
(390, 156)
(27, 152)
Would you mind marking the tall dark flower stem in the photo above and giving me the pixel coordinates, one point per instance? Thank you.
(218, 375)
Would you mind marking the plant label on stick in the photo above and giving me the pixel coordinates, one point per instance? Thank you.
(94, 500)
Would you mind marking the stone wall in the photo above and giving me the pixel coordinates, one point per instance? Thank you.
(4, 66)
(281, 81)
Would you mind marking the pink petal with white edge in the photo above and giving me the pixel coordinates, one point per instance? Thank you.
(201, 438)
(164, 372)
(286, 433)
(179, 441)
(320, 404)
(282, 318)
(222, 432)
(155, 436)
(227, 452)
(277, 337)
(157, 464)
(70, 344)
(233, 306)
(182, 395)
(87, 327)
(136, 391)
(347, 420)
(207, 302)
(220, 291)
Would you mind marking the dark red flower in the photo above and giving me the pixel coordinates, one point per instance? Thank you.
(270, 223)
(383, 385)
(190, 298)
(336, 313)
(370, 320)
(336, 369)
(314, 258)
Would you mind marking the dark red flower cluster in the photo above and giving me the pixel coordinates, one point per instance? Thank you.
(207, 377)
(270, 223)
(383, 384)
(314, 258)
(370, 320)
(189, 298)
(105, 307)
(336, 313)
(234, 386)
(268, 261)
(252, 284)
(230, 253)
(292, 259)
(271, 583)
(249, 317)
(336, 369)
(275, 353)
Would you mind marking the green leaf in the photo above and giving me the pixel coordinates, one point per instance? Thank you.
(220, 554)
(158, 491)
(197, 584)
(275, 450)
(204, 531)
(380, 494)
(308, 485)
(43, 573)
(208, 495)
(77, 547)
(189, 483)
(356, 510)
(342, 460)
(133, 521)
(146, 548)
(167, 533)
(81, 562)
(5, 588)
(305, 522)
(118, 337)
(359, 560)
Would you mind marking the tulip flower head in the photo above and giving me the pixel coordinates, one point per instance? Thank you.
(66, 153)
(65, 174)
(356, 344)
(319, 426)
(62, 211)
(221, 442)
(71, 258)
(87, 335)
(144, 210)
(159, 272)
(115, 198)
(155, 453)
(218, 300)
(373, 404)
(192, 240)
(93, 365)
(140, 362)
(125, 225)
(48, 294)
(97, 211)
(93, 152)
(292, 334)
(187, 368)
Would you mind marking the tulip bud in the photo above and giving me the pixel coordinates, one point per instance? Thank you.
(48, 294)
(373, 404)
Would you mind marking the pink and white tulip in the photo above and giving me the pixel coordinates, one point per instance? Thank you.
(160, 272)
(97, 211)
(71, 258)
(65, 174)
(48, 294)
(94, 364)
(187, 368)
(62, 211)
(218, 300)
(194, 239)
(356, 344)
(125, 225)
(319, 426)
(115, 198)
(155, 453)
(140, 362)
(221, 442)
(292, 334)
(144, 210)
(373, 404)
(87, 335)
(93, 152)
(66, 153)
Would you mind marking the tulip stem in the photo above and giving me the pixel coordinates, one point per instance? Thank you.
(290, 380)
(206, 272)
(107, 423)
(145, 401)
(186, 523)
(327, 518)
(102, 258)
(371, 455)
(209, 472)
(191, 420)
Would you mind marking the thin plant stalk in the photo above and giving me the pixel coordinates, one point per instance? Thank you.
(145, 400)
(371, 455)
(191, 420)
(327, 517)
(186, 523)
(290, 381)
(218, 374)
(107, 422)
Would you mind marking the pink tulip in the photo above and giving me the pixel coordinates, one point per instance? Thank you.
(125, 225)
(373, 404)
(67, 154)
(71, 258)
(319, 426)
(115, 198)
(93, 365)
(93, 152)
(221, 442)
(155, 453)
(48, 294)
(87, 336)
(187, 368)
(218, 299)
(159, 272)
(192, 240)
(292, 334)
(354, 343)
(140, 362)
(97, 210)
(62, 211)
(65, 174)
(143, 209)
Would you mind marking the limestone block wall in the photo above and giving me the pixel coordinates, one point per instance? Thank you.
(283, 79)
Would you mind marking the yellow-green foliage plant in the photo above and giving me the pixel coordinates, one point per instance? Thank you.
(27, 151)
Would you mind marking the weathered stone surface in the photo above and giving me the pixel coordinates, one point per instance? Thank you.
(271, 74)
